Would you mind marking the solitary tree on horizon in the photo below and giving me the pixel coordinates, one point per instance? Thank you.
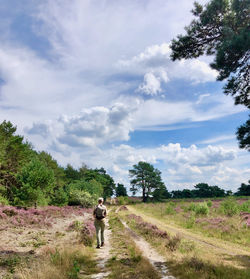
(146, 178)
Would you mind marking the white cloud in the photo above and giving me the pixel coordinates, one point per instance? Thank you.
(151, 84)
(92, 127)
(156, 66)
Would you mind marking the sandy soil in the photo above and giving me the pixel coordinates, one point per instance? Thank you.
(21, 241)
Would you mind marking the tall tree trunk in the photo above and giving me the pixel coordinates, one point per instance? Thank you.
(143, 195)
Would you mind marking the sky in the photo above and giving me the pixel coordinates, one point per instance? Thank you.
(91, 82)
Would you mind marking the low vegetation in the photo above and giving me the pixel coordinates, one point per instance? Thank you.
(186, 258)
(227, 219)
(60, 264)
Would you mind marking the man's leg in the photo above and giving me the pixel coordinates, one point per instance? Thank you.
(102, 233)
(97, 229)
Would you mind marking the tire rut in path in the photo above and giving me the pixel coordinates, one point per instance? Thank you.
(149, 253)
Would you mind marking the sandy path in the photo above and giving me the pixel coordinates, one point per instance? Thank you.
(220, 246)
(103, 255)
(150, 253)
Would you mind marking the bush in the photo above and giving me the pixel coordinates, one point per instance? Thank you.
(190, 222)
(229, 207)
(92, 187)
(201, 209)
(192, 207)
(3, 200)
(59, 197)
(87, 233)
(173, 243)
(78, 197)
(122, 200)
(209, 203)
(245, 207)
(170, 208)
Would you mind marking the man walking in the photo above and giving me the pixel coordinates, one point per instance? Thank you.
(100, 212)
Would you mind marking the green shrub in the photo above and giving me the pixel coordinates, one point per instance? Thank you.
(201, 209)
(209, 203)
(3, 200)
(122, 200)
(245, 206)
(78, 197)
(169, 210)
(192, 207)
(59, 197)
(93, 187)
(229, 207)
(190, 222)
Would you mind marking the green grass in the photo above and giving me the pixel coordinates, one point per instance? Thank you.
(192, 268)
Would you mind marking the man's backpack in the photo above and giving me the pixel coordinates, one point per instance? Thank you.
(99, 213)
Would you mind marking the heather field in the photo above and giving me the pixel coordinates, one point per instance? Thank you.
(199, 238)
(48, 242)
(183, 239)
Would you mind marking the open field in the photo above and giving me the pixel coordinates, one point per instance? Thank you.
(45, 243)
(196, 243)
(181, 239)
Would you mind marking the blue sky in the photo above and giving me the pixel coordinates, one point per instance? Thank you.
(92, 82)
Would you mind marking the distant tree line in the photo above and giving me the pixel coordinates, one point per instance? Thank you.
(147, 179)
(203, 190)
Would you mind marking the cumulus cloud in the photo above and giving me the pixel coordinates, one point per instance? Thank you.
(97, 125)
(156, 66)
(90, 128)
(151, 84)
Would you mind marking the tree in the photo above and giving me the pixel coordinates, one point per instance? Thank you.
(221, 29)
(145, 177)
(243, 135)
(107, 182)
(37, 184)
(121, 191)
(52, 164)
(14, 153)
(244, 190)
(203, 190)
(71, 173)
(161, 193)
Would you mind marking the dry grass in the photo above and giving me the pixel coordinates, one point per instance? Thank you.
(60, 264)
